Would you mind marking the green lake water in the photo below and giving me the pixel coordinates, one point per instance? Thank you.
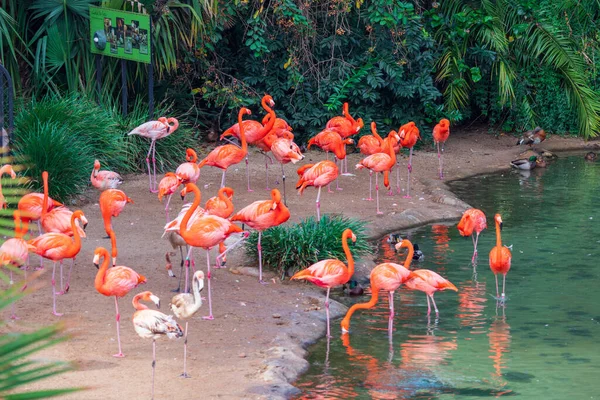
(544, 343)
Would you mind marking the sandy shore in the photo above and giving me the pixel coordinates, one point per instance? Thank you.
(256, 344)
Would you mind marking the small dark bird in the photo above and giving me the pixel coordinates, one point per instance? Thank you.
(394, 238)
(535, 136)
(591, 156)
(354, 289)
(418, 254)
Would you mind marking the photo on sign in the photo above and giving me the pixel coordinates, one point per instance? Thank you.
(107, 26)
(113, 41)
(143, 41)
(120, 32)
(128, 45)
(135, 34)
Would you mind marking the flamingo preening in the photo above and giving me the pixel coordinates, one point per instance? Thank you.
(103, 180)
(152, 324)
(166, 187)
(369, 145)
(285, 151)
(184, 306)
(155, 130)
(317, 175)
(472, 222)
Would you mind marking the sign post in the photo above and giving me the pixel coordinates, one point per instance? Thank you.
(124, 35)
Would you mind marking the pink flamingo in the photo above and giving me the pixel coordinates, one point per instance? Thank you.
(285, 151)
(500, 259)
(369, 145)
(472, 221)
(14, 253)
(441, 132)
(103, 180)
(189, 171)
(117, 281)
(227, 155)
(428, 282)
(206, 232)
(112, 202)
(166, 187)
(221, 206)
(254, 131)
(262, 215)
(388, 277)
(152, 324)
(409, 134)
(317, 175)
(184, 306)
(345, 126)
(57, 247)
(380, 162)
(331, 272)
(6, 169)
(329, 140)
(155, 130)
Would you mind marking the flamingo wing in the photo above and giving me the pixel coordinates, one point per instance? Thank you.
(120, 280)
(152, 324)
(325, 273)
(377, 162)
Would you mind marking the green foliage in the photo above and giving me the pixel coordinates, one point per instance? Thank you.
(289, 248)
(17, 368)
(64, 135)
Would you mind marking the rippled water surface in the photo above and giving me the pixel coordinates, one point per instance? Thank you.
(543, 344)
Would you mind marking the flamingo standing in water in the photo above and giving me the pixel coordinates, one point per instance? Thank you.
(409, 134)
(14, 253)
(388, 277)
(381, 162)
(369, 145)
(441, 132)
(285, 151)
(262, 215)
(331, 272)
(103, 180)
(345, 126)
(112, 202)
(57, 247)
(227, 155)
(206, 231)
(116, 281)
(6, 169)
(428, 282)
(254, 130)
(500, 257)
(184, 306)
(166, 187)
(472, 221)
(317, 175)
(155, 130)
(152, 324)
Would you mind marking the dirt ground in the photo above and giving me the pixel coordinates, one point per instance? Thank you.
(225, 356)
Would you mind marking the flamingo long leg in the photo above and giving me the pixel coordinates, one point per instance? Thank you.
(148, 165)
(392, 304)
(434, 306)
(283, 178)
(231, 247)
(398, 177)
(118, 318)
(66, 287)
(187, 269)
(40, 232)
(337, 180)
(428, 305)
(54, 291)
(370, 186)
(439, 159)
(327, 313)
(497, 294)
(210, 313)
(12, 307)
(248, 174)
(185, 374)
(153, 364)
(180, 270)
(377, 189)
(476, 241)
(259, 247)
(319, 205)
(154, 190)
(223, 178)
(409, 167)
(503, 286)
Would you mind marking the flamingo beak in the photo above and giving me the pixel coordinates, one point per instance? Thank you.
(155, 300)
(84, 226)
(500, 225)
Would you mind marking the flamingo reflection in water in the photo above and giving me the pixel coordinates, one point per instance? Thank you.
(472, 299)
(499, 338)
(441, 238)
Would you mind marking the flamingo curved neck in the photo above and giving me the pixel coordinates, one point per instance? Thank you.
(76, 244)
(223, 197)
(242, 133)
(18, 228)
(348, 254)
(100, 275)
(45, 200)
(197, 297)
(409, 257)
(183, 231)
(113, 243)
(136, 303)
(360, 306)
(270, 122)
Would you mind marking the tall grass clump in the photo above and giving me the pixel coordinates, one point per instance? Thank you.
(64, 135)
(290, 248)
(170, 151)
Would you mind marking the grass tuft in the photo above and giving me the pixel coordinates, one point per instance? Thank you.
(290, 248)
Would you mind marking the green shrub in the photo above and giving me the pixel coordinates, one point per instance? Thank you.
(290, 248)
